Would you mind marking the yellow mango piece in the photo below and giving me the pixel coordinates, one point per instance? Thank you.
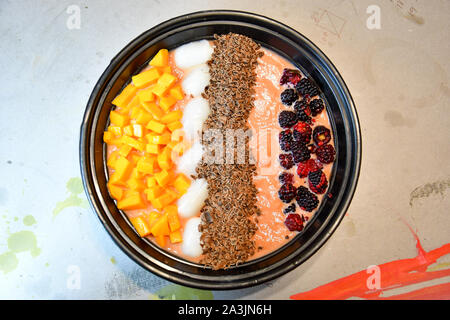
(133, 103)
(153, 217)
(181, 183)
(107, 136)
(117, 131)
(138, 145)
(177, 135)
(172, 217)
(135, 184)
(153, 192)
(118, 119)
(124, 150)
(164, 161)
(112, 158)
(160, 90)
(143, 117)
(128, 130)
(138, 130)
(116, 192)
(155, 126)
(146, 165)
(177, 92)
(153, 109)
(166, 80)
(146, 95)
(172, 116)
(174, 126)
(131, 201)
(164, 200)
(151, 182)
(167, 69)
(152, 148)
(146, 78)
(141, 226)
(161, 59)
(123, 169)
(125, 96)
(161, 240)
(179, 149)
(161, 227)
(160, 139)
(163, 177)
(167, 102)
(175, 237)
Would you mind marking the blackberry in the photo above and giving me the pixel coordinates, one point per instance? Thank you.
(306, 200)
(286, 177)
(325, 153)
(287, 192)
(285, 138)
(288, 96)
(321, 135)
(290, 76)
(302, 110)
(302, 132)
(287, 119)
(316, 106)
(318, 182)
(306, 87)
(286, 160)
(308, 166)
(290, 208)
(294, 222)
(300, 152)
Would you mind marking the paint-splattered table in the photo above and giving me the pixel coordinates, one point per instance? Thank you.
(394, 58)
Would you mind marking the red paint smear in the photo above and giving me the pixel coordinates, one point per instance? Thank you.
(394, 274)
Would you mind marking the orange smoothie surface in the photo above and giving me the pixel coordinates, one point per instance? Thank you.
(263, 121)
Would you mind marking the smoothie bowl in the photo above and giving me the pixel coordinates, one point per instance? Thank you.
(220, 149)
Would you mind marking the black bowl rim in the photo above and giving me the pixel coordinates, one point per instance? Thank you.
(325, 231)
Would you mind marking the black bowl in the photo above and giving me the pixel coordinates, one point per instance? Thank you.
(272, 35)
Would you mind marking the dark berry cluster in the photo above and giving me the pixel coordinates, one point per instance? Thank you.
(306, 200)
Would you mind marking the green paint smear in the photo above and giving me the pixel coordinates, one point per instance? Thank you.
(177, 292)
(23, 241)
(74, 187)
(8, 262)
(29, 220)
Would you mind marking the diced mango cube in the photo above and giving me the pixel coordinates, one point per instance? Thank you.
(177, 92)
(163, 177)
(155, 126)
(164, 200)
(175, 237)
(181, 183)
(166, 80)
(172, 217)
(124, 150)
(161, 240)
(138, 130)
(123, 169)
(152, 148)
(143, 117)
(160, 90)
(138, 145)
(174, 126)
(159, 139)
(161, 227)
(161, 59)
(153, 109)
(116, 192)
(141, 226)
(118, 119)
(146, 95)
(115, 130)
(128, 130)
(146, 165)
(151, 182)
(132, 200)
(135, 184)
(125, 96)
(146, 78)
(107, 136)
(167, 102)
(172, 116)
(153, 192)
(177, 135)
(164, 160)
